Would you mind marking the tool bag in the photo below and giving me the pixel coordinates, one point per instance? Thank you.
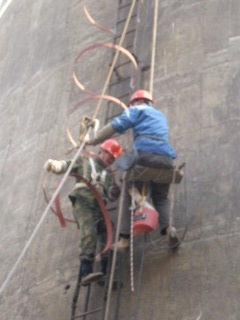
(145, 220)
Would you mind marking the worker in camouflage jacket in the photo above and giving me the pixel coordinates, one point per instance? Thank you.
(151, 148)
(86, 209)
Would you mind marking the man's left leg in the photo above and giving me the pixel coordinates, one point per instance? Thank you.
(159, 193)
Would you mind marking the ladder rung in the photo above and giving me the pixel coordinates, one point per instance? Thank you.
(122, 64)
(128, 47)
(123, 20)
(118, 81)
(124, 95)
(125, 5)
(130, 31)
(86, 313)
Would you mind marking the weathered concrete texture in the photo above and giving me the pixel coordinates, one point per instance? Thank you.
(197, 77)
(195, 278)
(39, 44)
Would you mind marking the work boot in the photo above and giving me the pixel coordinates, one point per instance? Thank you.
(87, 273)
(91, 277)
(122, 244)
(172, 237)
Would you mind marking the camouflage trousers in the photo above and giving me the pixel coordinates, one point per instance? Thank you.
(91, 228)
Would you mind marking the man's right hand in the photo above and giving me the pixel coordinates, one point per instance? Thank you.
(85, 124)
(55, 166)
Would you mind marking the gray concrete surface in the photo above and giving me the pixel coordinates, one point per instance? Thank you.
(196, 85)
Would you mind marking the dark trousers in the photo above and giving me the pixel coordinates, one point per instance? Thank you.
(158, 193)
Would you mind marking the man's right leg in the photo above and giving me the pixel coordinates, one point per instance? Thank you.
(126, 215)
(88, 240)
(124, 235)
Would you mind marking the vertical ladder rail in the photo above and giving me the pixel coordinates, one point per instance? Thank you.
(119, 285)
(76, 295)
(119, 85)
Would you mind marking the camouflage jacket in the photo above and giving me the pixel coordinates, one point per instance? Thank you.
(102, 180)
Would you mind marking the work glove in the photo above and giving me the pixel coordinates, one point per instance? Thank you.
(55, 166)
(85, 124)
(114, 192)
(88, 122)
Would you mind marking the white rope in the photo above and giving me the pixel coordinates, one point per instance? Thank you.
(4, 7)
(200, 316)
(3, 286)
(153, 46)
(133, 207)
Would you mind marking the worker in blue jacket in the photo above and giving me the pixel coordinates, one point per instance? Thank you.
(150, 148)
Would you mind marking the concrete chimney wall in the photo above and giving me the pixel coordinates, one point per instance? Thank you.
(197, 79)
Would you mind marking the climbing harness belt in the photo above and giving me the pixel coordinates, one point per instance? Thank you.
(96, 176)
(150, 137)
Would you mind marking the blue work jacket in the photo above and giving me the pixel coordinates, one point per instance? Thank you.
(150, 129)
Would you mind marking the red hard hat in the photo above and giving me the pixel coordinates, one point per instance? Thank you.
(113, 147)
(141, 94)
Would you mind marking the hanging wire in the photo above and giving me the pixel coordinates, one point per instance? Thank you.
(93, 22)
